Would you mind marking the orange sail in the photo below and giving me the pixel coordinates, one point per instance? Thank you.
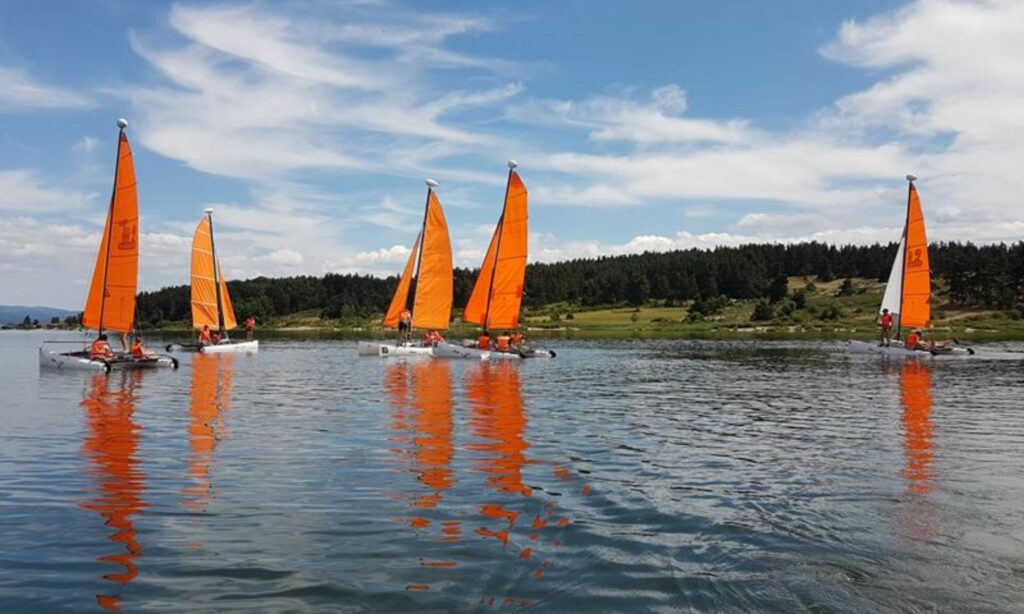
(400, 301)
(111, 302)
(432, 303)
(205, 282)
(498, 293)
(916, 308)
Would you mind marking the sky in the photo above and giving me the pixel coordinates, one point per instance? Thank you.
(310, 126)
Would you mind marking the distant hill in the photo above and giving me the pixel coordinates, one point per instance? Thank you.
(14, 314)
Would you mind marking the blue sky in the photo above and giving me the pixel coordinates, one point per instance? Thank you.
(309, 127)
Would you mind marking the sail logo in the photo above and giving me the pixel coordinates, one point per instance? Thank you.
(915, 260)
(129, 235)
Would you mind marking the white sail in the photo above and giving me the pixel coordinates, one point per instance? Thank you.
(891, 298)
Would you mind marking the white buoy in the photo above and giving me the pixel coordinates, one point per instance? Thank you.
(911, 178)
(122, 123)
(431, 183)
(208, 210)
(512, 164)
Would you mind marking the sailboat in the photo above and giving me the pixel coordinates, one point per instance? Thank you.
(497, 295)
(425, 288)
(211, 302)
(111, 302)
(908, 292)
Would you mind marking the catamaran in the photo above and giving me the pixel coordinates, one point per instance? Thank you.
(425, 288)
(908, 292)
(498, 293)
(211, 302)
(110, 305)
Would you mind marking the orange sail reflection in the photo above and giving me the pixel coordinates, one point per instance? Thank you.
(210, 399)
(495, 396)
(111, 447)
(421, 422)
(918, 433)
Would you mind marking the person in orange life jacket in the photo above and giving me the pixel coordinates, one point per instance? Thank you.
(204, 335)
(250, 325)
(518, 339)
(432, 338)
(405, 325)
(100, 349)
(914, 340)
(885, 321)
(139, 350)
(484, 342)
(503, 342)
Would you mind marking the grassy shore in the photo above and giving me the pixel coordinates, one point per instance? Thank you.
(825, 314)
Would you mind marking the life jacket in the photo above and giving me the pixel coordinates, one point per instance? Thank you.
(484, 342)
(250, 324)
(912, 340)
(517, 339)
(138, 350)
(99, 349)
(503, 342)
(886, 320)
(405, 317)
(204, 336)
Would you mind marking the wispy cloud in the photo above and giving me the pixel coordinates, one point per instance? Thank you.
(20, 91)
(25, 190)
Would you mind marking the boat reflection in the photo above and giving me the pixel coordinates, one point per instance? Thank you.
(421, 422)
(495, 397)
(111, 448)
(209, 401)
(918, 445)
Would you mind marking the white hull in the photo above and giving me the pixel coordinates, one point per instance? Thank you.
(450, 350)
(80, 361)
(899, 351)
(384, 350)
(231, 347)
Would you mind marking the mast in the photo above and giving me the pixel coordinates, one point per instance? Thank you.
(512, 164)
(903, 265)
(216, 278)
(122, 123)
(431, 184)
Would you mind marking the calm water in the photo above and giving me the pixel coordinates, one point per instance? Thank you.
(653, 476)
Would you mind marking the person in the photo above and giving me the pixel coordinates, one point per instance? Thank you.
(504, 341)
(250, 325)
(432, 338)
(215, 337)
(405, 325)
(914, 340)
(100, 349)
(518, 339)
(204, 335)
(484, 342)
(885, 321)
(139, 350)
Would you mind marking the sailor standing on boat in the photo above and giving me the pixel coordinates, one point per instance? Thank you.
(885, 321)
(405, 326)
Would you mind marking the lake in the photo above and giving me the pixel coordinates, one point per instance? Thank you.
(623, 475)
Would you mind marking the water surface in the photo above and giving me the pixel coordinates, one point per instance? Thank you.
(646, 476)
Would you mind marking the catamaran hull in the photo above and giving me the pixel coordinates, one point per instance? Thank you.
(898, 351)
(450, 350)
(80, 361)
(231, 347)
(386, 350)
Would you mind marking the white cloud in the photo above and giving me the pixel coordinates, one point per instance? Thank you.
(19, 91)
(25, 190)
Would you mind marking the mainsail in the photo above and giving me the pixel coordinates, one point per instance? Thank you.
(908, 292)
(211, 303)
(111, 302)
(430, 282)
(498, 292)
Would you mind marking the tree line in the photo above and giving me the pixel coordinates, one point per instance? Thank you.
(985, 276)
